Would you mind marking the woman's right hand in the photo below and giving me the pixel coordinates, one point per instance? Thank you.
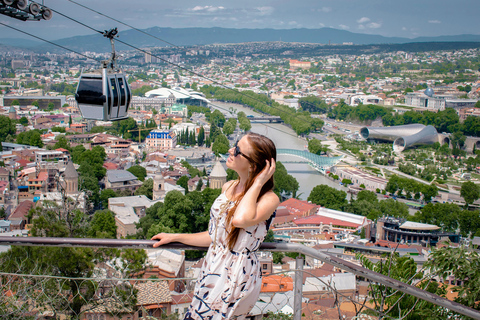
(163, 238)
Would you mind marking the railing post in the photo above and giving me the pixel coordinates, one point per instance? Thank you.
(297, 299)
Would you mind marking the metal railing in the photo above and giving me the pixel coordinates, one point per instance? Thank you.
(359, 271)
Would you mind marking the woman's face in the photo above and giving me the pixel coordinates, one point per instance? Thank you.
(240, 159)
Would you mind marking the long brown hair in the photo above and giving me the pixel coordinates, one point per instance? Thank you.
(263, 149)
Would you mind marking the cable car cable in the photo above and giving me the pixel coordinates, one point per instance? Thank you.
(50, 42)
(174, 64)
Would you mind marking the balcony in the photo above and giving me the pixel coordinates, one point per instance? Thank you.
(108, 296)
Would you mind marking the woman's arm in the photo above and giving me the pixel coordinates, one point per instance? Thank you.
(200, 239)
(249, 212)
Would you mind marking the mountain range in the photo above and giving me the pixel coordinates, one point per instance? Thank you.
(205, 36)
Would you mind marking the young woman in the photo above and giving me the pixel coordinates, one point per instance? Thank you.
(230, 279)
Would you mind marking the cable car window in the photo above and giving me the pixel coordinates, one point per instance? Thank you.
(129, 96)
(90, 91)
(122, 91)
(114, 92)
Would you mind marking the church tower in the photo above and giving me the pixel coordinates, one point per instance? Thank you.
(218, 176)
(12, 113)
(158, 186)
(71, 179)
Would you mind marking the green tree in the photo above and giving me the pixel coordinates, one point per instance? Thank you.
(146, 189)
(220, 145)
(23, 121)
(7, 127)
(183, 182)
(396, 304)
(328, 197)
(62, 142)
(106, 194)
(284, 182)
(470, 192)
(103, 225)
(31, 138)
(445, 262)
(138, 171)
(316, 147)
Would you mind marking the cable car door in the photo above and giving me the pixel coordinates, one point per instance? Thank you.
(123, 95)
(115, 98)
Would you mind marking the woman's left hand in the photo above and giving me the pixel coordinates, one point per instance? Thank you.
(266, 173)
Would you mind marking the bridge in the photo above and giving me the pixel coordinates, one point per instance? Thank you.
(319, 163)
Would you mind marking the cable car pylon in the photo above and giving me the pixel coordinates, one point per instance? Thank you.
(104, 94)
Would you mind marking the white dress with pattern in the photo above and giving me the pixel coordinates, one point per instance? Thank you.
(229, 282)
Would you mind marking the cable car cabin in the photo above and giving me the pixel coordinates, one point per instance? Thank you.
(103, 94)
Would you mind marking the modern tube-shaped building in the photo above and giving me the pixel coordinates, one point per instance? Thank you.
(402, 136)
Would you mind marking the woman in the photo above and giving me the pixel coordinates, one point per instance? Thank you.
(230, 279)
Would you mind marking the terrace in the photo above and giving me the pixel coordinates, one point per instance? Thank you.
(107, 296)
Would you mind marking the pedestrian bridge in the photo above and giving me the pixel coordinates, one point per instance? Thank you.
(320, 163)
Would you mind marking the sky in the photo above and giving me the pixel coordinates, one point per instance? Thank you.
(390, 18)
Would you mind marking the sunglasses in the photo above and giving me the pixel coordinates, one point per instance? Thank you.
(237, 152)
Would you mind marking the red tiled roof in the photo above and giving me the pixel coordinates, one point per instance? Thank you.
(317, 220)
(22, 210)
(296, 206)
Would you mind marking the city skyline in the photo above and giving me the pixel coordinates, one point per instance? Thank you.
(387, 18)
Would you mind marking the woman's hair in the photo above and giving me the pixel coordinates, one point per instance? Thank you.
(263, 149)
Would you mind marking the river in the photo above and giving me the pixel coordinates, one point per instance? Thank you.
(285, 138)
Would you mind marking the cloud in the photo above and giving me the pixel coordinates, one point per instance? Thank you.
(363, 20)
(293, 23)
(207, 8)
(321, 25)
(374, 25)
(404, 28)
(361, 27)
(434, 21)
(343, 27)
(265, 11)
(325, 9)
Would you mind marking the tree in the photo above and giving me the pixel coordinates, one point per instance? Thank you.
(31, 138)
(23, 121)
(366, 195)
(146, 189)
(138, 171)
(183, 182)
(283, 182)
(316, 147)
(7, 127)
(328, 197)
(470, 192)
(201, 136)
(445, 262)
(103, 225)
(220, 145)
(62, 142)
(106, 194)
(395, 303)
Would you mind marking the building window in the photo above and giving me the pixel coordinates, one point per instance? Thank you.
(264, 266)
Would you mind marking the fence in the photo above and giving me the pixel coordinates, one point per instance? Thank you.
(104, 296)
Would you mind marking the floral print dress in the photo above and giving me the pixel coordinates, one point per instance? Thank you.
(229, 282)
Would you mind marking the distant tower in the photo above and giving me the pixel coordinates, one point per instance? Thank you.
(158, 186)
(12, 113)
(71, 179)
(218, 176)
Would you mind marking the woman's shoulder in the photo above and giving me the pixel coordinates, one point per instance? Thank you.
(270, 196)
(227, 185)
